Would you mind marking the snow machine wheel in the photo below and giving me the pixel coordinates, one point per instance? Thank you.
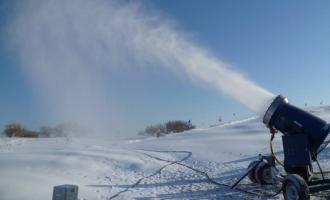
(251, 174)
(295, 188)
(263, 174)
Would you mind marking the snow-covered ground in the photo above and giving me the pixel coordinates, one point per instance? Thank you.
(171, 167)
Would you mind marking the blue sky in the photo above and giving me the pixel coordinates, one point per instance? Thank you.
(284, 46)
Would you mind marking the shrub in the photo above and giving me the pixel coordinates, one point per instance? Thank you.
(61, 130)
(16, 130)
(178, 126)
(175, 126)
(156, 130)
(45, 131)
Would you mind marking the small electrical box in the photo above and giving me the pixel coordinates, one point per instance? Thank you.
(65, 192)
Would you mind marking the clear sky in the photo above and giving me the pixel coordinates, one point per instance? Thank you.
(283, 46)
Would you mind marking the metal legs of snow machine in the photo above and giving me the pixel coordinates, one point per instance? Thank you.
(294, 186)
(262, 171)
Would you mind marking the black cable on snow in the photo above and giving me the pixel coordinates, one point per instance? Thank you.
(151, 175)
(207, 176)
(179, 162)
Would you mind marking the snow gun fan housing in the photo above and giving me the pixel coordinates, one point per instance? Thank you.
(303, 134)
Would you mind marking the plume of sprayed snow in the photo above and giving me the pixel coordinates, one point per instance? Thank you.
(67, 48)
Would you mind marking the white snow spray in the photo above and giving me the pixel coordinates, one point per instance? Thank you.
(67, 49)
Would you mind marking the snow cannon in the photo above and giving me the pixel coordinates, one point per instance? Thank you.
(298, 127)
(304, 137)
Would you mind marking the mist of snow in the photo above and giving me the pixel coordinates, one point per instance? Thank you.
(68, 49)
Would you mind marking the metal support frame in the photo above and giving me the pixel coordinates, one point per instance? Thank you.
(245, 175)
(269, 159)
(318, 185)
(314, 186)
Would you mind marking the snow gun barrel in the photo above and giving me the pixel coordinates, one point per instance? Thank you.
(290, 120)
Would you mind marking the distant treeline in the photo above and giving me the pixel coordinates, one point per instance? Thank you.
(169, 127)
(61, 130)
